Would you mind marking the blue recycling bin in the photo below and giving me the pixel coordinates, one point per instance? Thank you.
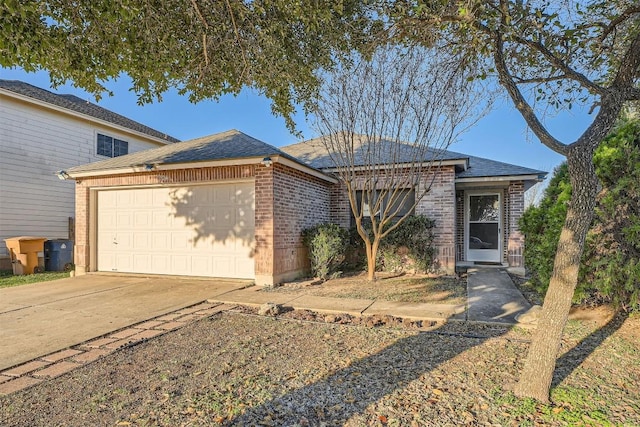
(58, 255)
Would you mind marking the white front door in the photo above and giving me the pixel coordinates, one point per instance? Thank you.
(483, 231)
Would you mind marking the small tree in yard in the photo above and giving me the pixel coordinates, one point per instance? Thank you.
(386, 122)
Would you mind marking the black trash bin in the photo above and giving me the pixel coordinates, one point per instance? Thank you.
(58, 255)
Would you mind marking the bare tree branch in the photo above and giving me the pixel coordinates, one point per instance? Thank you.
(520, 102)
(385, 125)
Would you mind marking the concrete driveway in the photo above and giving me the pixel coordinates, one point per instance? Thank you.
(41, 318)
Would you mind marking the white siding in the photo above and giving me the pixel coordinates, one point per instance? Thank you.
(34, 144)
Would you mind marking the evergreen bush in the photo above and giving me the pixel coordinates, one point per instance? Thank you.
(326, 244)
(610, 268)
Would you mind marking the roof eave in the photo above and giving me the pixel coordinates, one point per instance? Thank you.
(158, 167)
(44, 104)
(529, 177)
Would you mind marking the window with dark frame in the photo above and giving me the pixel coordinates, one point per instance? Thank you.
(405, 205)
(111, 147)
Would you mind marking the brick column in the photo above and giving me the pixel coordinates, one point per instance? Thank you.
(82, 248)
(516, 209)
(264, 256)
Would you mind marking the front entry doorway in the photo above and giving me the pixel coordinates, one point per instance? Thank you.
(483, 231)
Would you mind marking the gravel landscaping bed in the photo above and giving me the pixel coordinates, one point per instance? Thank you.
(237, 368)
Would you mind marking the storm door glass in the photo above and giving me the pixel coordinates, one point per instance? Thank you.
(483, 238)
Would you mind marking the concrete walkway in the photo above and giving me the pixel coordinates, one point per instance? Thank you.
(492, 298)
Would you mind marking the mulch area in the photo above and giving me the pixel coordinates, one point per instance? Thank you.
(414, 288)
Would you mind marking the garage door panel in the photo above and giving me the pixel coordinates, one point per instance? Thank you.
(201, 265)
(243, 195)
(160, 241)
(223, 196)
(160, 219)
(142, 241)
(225, 265)
(180, 241)
(143, 218)
(124, 262)
(108, 219)
(107, 261)
(159, 198)
(124, 198)
(108, 199)
(124, 241)
(160, 263)
(124, 220)
(244, 264)
(245, 217)
(199, 230)
(141, 262)
(180, 264)
(202, 197)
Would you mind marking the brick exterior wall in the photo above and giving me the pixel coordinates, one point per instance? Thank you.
(264, 225)
(515, 244)
(440, 205)
(300, 201)
(340, 208)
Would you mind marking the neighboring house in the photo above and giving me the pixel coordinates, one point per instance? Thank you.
(41, 133)
(229, 205)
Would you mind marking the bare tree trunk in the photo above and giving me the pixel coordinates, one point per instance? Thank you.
(372, 254)
(537, 374)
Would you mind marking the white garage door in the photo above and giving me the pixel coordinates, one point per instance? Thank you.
(192, 231)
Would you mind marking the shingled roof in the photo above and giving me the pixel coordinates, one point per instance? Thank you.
(73, 103)
(228, 145)
(314, 153)
(481, 167)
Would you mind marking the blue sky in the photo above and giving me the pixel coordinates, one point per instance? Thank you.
(501, 135)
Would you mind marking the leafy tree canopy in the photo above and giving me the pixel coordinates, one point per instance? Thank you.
(204, 48)
(546, 54)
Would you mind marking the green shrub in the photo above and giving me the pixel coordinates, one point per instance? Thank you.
(611, 264)
(610, 268)
(326, 244)
(541, 226)
(409, 246)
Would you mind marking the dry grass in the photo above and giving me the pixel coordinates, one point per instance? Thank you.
(239, 370)
(404, 288)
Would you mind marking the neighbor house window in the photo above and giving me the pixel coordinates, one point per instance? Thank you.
(405, 204)
(111, 147)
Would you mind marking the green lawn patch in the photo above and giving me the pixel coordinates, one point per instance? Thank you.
(7, 279)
